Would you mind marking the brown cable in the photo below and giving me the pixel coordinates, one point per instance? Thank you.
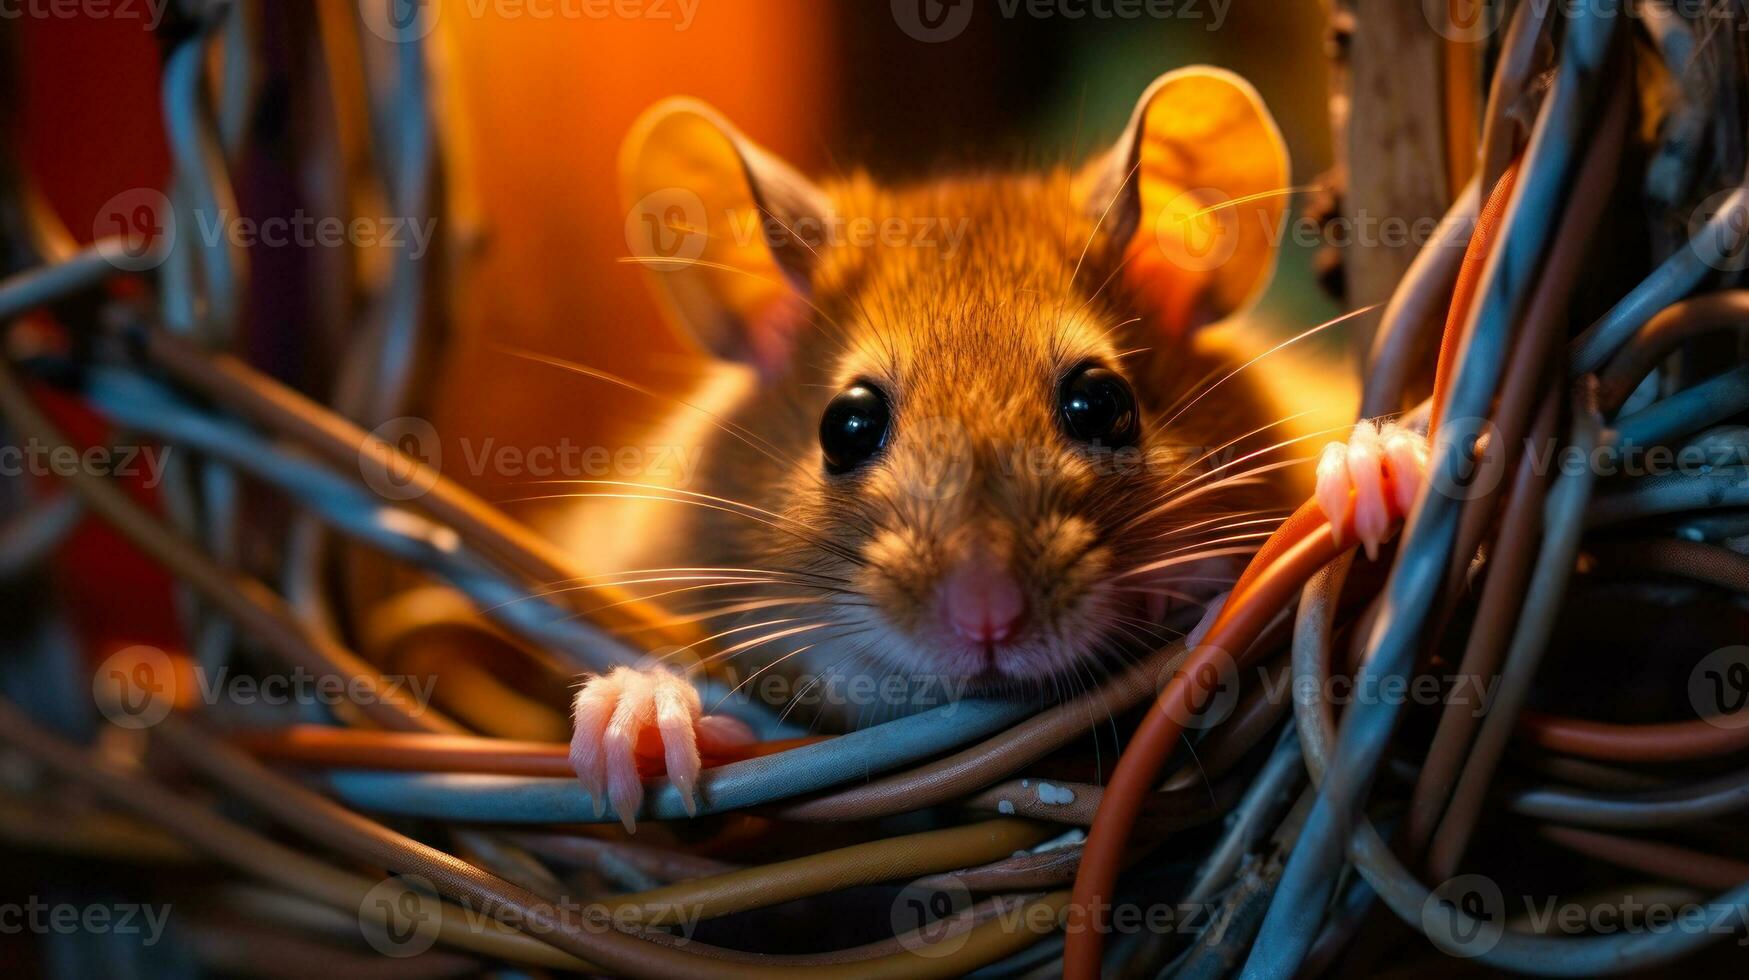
(1526, 381)
(590, 937)
(1662, 334)
(336, 439)
(251, 853)
(973, 768)
(1711, 871)
(909, 856)
(1678, 741)
(1508, 573)
(322, 745)
(253, 606)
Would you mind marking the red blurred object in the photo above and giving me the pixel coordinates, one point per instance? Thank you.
(90, 128)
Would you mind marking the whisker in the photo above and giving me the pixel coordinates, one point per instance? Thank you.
(1094, 234)
(738, 431)
(821, 542)
(1183, 560)
(1278, 347)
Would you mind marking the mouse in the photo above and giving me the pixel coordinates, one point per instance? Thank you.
(1002, 429)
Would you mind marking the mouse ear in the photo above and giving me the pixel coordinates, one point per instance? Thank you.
(1193, 193)
(721, 224)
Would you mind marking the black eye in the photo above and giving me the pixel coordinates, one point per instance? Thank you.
(1097, 405)
(854, 427)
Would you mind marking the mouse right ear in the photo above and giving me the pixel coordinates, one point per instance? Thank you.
(722, 225)
(1194, 195)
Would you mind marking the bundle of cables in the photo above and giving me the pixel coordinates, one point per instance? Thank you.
(1577, 549)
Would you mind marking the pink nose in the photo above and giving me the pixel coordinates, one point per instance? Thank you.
(983, 602)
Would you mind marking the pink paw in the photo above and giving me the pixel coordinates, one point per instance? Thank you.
(1374, 476)
(649, 716)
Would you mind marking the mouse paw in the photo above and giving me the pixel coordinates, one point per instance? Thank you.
(631, 723)
(1372, 478)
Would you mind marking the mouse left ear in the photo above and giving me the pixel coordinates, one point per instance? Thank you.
(1193, 195)
(723, 226)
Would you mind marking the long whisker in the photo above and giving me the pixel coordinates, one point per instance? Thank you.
(1094, 234)
(721, 609)
(690, 494)
(740, 432)
(759, 641)
(1249, 477)
(1251, 456)
(1248, 198)
(754, 676)
(749, 579)
(819, 542)
(675, 260)
(1278, 347)
(1230, 443)
(1185, 529)
(1183, 560)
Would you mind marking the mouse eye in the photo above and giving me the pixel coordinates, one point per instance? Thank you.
(853, 429)
(1097, 406)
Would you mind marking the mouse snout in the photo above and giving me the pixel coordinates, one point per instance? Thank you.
(982, 601)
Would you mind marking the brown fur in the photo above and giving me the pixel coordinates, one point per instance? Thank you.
(970, 345)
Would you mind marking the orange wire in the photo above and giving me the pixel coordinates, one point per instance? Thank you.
(320, 745)
(1234, 629)
(1304, 543)
(1464, 292)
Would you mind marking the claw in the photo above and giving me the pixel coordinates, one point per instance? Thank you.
(628, 715)
(1332, 492)
(1406, 458)
(677, 715)
(1370, 482)
(1372, 516)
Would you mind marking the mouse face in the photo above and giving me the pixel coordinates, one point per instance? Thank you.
(969, 448)
(979, 451)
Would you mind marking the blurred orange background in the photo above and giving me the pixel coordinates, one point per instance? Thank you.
(530, 111)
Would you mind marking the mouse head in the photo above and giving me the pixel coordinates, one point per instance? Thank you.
(960, 427)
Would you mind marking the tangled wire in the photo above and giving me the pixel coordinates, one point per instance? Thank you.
(1589, 490)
